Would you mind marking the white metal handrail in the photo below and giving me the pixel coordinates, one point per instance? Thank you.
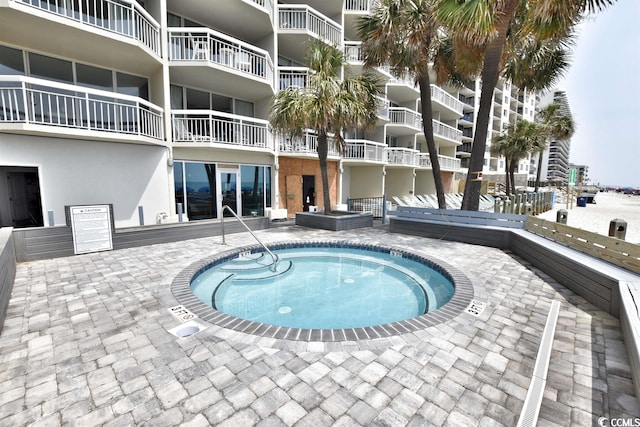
(43, 102)
(401, 156)
(302, 17)
(274, 257)
(124, 17)
(205, 44)
(353, 51)
(405, 116)
(266, 5)
(218, 127)
(446, 131)
(307, 144)
(445, 162)
(361, 149)
(444, 98)
(294, 77)
(360, 5)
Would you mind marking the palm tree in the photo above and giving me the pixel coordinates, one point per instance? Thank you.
(404, 35)
(329, 105)
(517, 140)
(489, 23)
(555, 126)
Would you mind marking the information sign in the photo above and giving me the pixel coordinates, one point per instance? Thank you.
(91, 228)
(572, 176)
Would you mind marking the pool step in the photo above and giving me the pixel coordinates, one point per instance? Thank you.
(281, 268)
(242, 264)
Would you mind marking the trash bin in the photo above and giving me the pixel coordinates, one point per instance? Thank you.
(618, 228)
(561, 216)
(582, 202)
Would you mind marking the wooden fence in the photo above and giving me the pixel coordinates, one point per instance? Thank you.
(615, 251)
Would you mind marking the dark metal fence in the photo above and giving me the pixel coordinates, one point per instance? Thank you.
(375, 205)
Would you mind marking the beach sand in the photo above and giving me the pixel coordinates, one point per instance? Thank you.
(596, 217)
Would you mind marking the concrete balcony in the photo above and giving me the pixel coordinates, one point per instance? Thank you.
(447, 105)
(354, 56)
(198, 128)
(404, 121)
(128, 37)
(402, 156)
(209, 59)
(361, 151)
(296, 77)
(445, 134)
(402, 89)
(305, 146)
(46, 108)
(450, 164)
(296, 23)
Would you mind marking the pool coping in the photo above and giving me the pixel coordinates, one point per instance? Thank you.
(463, 294)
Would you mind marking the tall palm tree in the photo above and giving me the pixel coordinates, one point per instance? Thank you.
(489, 23)
(404, 35)
(555, 126)
(517, 140)
(329, 105)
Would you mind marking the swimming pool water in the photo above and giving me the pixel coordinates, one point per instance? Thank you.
(323, 288)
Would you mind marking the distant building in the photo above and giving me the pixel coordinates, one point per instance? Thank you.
(555, 159)
(582, 173)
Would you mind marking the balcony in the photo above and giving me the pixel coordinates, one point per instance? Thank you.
(305, 146)
(117, 33)
(450, 164)
(296, 23)
(402, 89)
(209, 128)
(244, 70)
(365, 152)
(402, 156)
(46, 108)
(404, 120)
(297, 77)
(354, 56)
(353, 10)
(453, 107)
(447, 133)
(383, 109)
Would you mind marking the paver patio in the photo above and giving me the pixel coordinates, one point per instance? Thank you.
(86, 342)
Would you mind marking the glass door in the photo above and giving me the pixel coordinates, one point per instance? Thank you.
(229, 191)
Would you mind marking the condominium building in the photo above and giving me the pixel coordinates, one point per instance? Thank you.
(161, 107)
(555, 159)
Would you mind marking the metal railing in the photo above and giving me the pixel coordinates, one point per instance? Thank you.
(360, 149)
(43, 102)
(401, 156)
(204, 44)
(302, 17)
(294, 77)
(360, 5)
(274, 257)
(123, 17)
(405, 116)
(307, 144)
(445, 162)
(375, 205)
(218, 127)
(446, 131)
(266, 4)
(444, 98)
(353, 51)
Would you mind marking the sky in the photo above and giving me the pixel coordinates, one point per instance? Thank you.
(602, 87)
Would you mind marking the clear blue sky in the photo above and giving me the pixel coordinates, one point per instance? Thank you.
(602, 86)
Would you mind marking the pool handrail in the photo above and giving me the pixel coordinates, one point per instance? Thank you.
(274, 257)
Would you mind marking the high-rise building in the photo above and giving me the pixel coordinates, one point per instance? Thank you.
(163, 105)
(555, 159)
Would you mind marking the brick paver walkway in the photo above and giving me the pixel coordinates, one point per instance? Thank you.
(86, 342)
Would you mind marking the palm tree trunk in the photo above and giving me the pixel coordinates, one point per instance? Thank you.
(539, 171)
(507, 178)
(427, 127)
(323, 150)
(490, 72)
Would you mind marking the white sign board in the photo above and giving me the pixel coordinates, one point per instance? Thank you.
(91, 227)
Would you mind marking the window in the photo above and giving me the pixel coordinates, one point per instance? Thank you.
(50, 68)
(94, 77)
(129, 84)
(11, 61)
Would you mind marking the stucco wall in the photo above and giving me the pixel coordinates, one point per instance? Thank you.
(77, 172)
(398, 182)
(291, 170)
(366, 181)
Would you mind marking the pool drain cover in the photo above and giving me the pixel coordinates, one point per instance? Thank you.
(284, 310)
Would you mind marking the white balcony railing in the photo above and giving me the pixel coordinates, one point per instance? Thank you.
(360, 149)
(446, 163)
(353, 51)
(405, 79)
(265, 4)
(302, 17)
(360, 5)
(307, 144)
(124, 17)
(446, 131)
(204, 44)
(206, 126)
(383, 108)
(405, 116)
(297, 77)
(444, 98)
(402, 156)
(42, 102)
